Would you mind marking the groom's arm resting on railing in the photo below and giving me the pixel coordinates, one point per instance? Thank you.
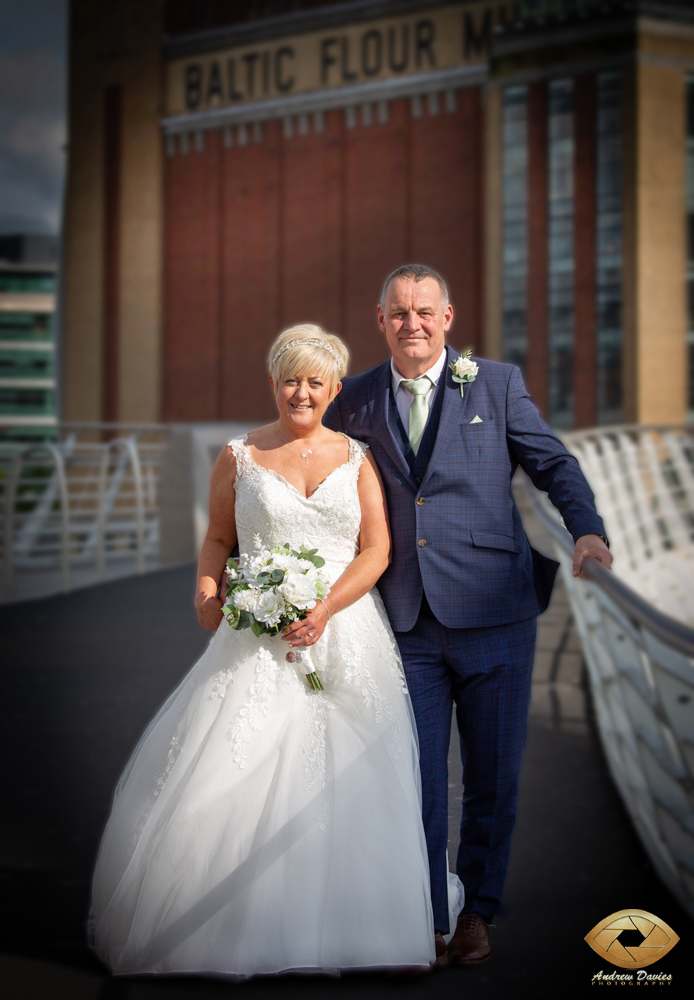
(591, 545)
(555, 471)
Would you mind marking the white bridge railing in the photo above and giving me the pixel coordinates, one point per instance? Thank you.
(637, 629)
(90, 498)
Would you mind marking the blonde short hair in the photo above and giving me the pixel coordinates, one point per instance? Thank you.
(306, 349)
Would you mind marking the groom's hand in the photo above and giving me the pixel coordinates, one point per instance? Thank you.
(591, 545)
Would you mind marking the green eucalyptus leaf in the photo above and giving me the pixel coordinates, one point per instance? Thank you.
(233, 617)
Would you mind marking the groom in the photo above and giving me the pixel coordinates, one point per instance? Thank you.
(464, 587)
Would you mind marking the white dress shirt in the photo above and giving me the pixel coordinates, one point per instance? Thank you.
(404, 398)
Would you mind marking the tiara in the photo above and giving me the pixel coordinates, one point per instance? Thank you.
(312, 342)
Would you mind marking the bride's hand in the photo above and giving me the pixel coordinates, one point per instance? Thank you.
(209, 611)
(309, 629)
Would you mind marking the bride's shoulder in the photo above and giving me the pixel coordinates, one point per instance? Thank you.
(357, 449)
(240, 446)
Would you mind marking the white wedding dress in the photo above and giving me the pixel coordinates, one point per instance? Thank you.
(261, 826)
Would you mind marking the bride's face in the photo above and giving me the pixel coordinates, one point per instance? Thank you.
(302, 401)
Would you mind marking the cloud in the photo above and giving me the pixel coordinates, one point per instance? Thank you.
(34, 24)
(32, 137)
(38, 137)
(32, 78)
(39, 223)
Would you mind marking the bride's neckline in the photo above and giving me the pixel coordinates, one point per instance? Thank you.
(283, 479)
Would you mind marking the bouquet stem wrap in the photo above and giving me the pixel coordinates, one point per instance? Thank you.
(303, 656)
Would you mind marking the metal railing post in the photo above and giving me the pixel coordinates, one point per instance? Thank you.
(91, 499)
(100, 540)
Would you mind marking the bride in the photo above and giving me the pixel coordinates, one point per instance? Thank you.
(262, 826)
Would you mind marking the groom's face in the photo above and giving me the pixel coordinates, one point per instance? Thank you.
(415, 323)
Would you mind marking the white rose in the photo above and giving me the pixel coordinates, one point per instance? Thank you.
(254, 566)
(269, 607)
(299, 590)
(245, 600)
(290, 564)
(465, 368)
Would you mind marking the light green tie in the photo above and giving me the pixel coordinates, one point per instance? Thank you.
(419, 411)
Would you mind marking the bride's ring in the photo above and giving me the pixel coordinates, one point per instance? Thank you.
(310, 635)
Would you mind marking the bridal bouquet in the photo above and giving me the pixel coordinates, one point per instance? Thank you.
(273, 588)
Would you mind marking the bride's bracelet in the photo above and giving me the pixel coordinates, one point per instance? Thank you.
(325, 606)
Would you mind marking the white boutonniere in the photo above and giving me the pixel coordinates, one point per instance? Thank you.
(464, 369)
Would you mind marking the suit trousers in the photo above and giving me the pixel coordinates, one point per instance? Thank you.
(486, 673)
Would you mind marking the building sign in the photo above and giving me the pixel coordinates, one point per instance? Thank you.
(437, 39)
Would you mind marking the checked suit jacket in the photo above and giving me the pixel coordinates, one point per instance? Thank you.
(456, 531)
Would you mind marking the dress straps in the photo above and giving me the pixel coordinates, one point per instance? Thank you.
(242, 454)
(357, 451)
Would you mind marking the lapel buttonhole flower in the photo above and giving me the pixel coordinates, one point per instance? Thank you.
(464, 369)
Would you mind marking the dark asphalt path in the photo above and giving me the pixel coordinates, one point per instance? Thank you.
(83, 674)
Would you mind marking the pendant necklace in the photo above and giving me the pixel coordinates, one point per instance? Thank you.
(304, 454)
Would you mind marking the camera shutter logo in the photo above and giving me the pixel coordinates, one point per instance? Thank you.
(657, 939)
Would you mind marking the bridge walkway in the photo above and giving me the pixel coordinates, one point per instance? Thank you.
(83, 674)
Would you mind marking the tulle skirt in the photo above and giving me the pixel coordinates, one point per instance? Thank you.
(262, 827)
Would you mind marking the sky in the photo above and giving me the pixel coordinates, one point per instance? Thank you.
(33, 67)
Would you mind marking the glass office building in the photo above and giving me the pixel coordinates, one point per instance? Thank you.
(28, 408)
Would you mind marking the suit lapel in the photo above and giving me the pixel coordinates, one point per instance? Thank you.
(453, 414)
(382, 423)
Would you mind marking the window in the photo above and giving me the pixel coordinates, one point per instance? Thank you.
(515, 226)
(561, 253)
(25, 326)
(26, 364)
(609, 248)
(27, 402)
(27, 282)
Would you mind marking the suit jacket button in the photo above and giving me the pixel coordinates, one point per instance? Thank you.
(422, 542)
(420, 501)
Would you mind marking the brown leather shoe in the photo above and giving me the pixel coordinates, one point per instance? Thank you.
(441, 949)
(470, 943)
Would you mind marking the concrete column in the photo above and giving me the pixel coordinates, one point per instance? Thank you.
(113, 47)
(656, 371)
(83, 222)
(141, 238)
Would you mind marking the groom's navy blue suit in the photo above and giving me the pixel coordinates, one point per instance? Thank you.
(463, 591)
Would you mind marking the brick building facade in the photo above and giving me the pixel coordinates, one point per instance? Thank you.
(239, 167)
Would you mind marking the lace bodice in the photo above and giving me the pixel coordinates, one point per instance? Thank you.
(269, 506)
